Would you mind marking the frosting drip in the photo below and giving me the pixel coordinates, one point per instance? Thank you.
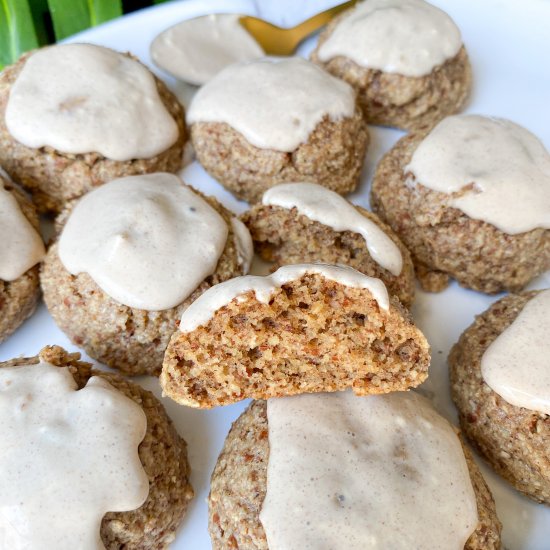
(245, 246)
(81, 98)
(327, 207)
(147, 241)
(218, 296)
(274, 104)
(21, 246)
(517, 364)
(494, 171)
(365, 472)
(407, 37)
(67, 458)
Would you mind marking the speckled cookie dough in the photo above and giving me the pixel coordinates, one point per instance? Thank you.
(406, 102)
(288, 237)
(129, 339)
(18, 298)
(444, 242)
(163, 454)
(514, 440)
(332, 156)
(54, 177)
(238, 489)
(313, 334)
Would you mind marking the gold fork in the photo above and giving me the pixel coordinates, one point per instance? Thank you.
(278, 41)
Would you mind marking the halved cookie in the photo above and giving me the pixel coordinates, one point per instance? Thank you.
(305, 328)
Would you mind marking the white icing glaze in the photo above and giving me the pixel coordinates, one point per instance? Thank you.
(327, 207)
(407, 37)
(365, 472)
(501, 171)
(67, 458)
(517, 364)
(81, 98)
(218, 296)
(274, 104)
(147, 241)
(21, 246)
(243, 241)
(197, 49)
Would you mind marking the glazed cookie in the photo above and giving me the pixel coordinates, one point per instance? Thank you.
(131, 257)
(500, 385)
(265, 122)
(305, 222)
(21, 249)
(405, 58)
(353, 478)
(65, 131)
(471, 200)
(65, 474)
(305, 328)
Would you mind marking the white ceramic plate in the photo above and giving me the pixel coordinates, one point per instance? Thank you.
(508, 43)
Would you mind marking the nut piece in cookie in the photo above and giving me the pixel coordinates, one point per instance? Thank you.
(305, 328)
(82, 429)
(132, 255)
(75, 116)
(21, 249)
(306, 223)
(471, 200)
(404, 58)
(500, 385)
(258, 124)
(345, 457)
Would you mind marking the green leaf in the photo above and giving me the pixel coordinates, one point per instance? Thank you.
(40, 15)
(72, 16)
(17, 33)
(104, 10)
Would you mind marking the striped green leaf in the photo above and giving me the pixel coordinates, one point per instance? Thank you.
(72, 16)
(17, 32)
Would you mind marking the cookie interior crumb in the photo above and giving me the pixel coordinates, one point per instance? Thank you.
(313, 335)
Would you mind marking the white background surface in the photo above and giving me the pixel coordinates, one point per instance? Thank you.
(509, 46)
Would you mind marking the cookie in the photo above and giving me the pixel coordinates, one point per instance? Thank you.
(22, 249)
(262, 123)
(513, 439)
(121, 122)
(305, 328)
(239, 482)
(303, 222)
(375, 48)
(112, 319)
(487, 240)
(163, 455)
